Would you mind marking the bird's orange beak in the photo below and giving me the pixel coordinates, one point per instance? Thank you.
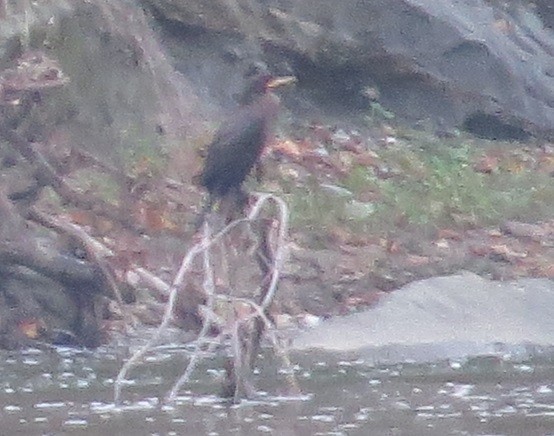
(277, 82)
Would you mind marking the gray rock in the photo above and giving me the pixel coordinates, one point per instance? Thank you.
(443, 317)
(122, 90)
(485, 65)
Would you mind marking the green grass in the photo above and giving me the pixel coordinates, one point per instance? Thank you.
(143, 154)
(105, 187)
(312, 207)
(434, 186)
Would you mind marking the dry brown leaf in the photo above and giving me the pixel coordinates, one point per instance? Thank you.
(89, 219)
(367, 159)
(287, 147)
(339, 235)
(449, 234)
(82, 217)
(486, 164)
(546, 164)
(154, 217)
(506, 252)
(503, 26)
(32, 328)
(392, 246)
(416, 260)
(480, 250)
(363, 300)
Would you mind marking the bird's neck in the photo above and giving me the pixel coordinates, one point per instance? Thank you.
(266, 106)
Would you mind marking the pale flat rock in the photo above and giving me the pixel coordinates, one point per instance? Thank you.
(444, 317)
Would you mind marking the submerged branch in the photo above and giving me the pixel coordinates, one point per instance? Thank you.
(241, 364)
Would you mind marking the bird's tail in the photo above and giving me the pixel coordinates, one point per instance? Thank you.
(206, 209)
(230, 206)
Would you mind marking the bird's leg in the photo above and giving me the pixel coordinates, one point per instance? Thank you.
(206, 209)
(259, 172)
(241, 199)
(233, 204)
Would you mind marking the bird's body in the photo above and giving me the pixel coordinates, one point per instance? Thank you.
(240, 141)
(238, 145)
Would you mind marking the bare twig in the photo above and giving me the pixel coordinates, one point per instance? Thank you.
(203, 247)
(279, 349)
(47, 176)
(237, 376)
(175, 287)
(280, 252)
(152, 281)
(209, 288)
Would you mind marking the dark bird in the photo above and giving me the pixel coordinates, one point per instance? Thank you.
(239, 142)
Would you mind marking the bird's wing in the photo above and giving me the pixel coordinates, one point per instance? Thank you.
(242, 134)
(233, 152)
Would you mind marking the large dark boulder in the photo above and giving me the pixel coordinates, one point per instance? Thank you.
(545, 10)
(487, 66)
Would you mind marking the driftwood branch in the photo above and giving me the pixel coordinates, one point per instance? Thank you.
(243, 348)
(209, 319)
(186, 265)
(47, 176)
(17, 248)
(70, 272)
(22, 89)
(96, 253)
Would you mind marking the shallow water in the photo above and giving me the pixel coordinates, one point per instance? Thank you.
(65, 391)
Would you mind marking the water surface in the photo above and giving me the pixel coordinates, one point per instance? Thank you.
(66, 391)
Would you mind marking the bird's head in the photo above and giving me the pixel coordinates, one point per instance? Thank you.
(264, 83)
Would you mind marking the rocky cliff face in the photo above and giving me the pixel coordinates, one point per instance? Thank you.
(122, 88)
(486, 66)
(483, 65)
